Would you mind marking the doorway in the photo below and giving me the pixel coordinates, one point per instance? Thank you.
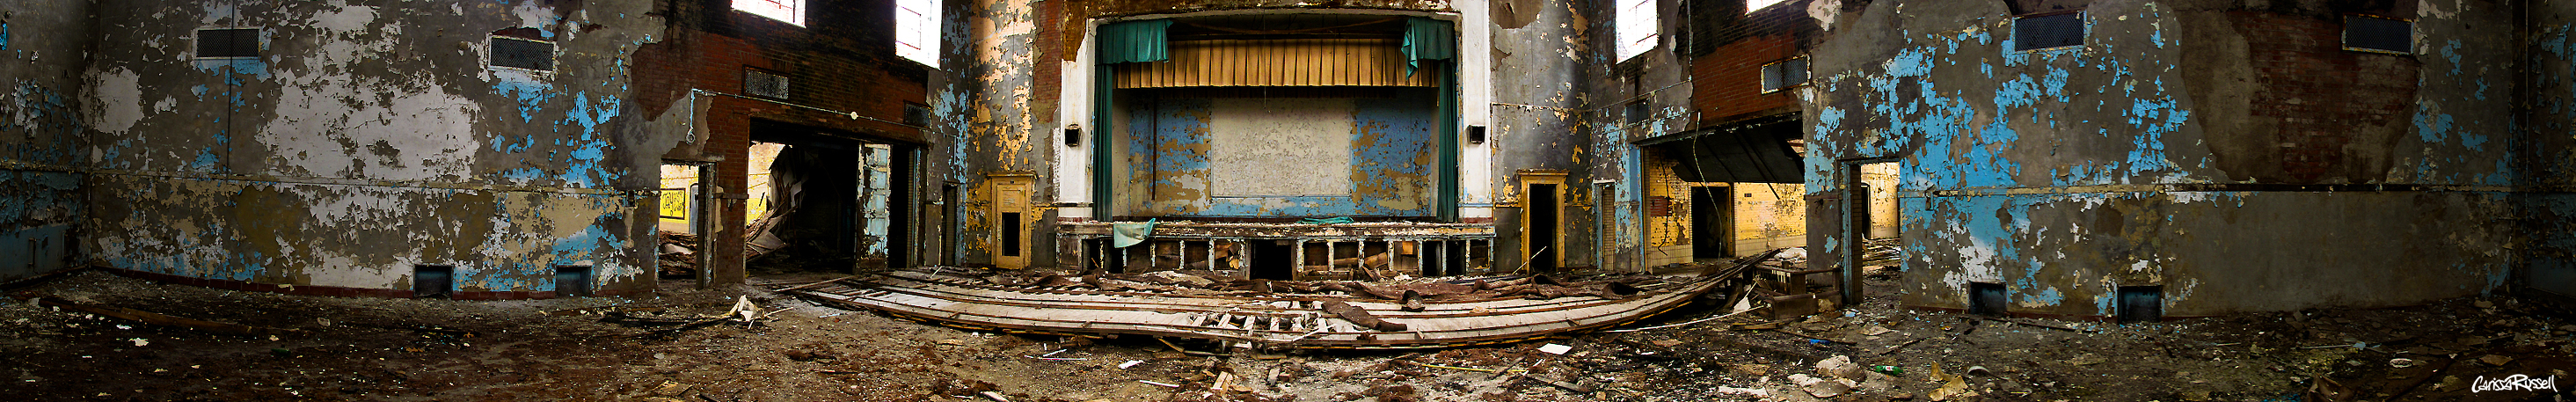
(825, 200)
(1544, 219)
(1712, 227)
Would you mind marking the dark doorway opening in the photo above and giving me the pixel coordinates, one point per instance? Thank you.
(1273, 260)
(1986, 299)
(433, 281)
(2141, 303)
(1544, 221)
(572, 281)
(1711, 226)
(835, 201)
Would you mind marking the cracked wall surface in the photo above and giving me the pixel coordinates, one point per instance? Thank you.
(2546, 155)
(2237, 157)
(366, 138)
(1538, 118)
(40, 133)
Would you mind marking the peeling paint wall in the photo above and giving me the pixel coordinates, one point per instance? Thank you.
(990, 110)
(1537, 117)
(846, 87)
(40, 133)
(2237, 157)
(368, 138)
(2546, 151)
(1279, 157)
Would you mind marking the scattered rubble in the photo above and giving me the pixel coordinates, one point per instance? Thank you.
(572, 349)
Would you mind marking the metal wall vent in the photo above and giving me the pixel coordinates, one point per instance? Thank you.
(2375, 34)
(523, 53)
(2048, 31)
(228, 43)
(764, 84)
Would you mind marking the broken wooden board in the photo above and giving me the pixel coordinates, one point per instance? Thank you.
(1263, 320)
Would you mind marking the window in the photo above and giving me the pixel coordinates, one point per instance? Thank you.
(1636, 29)
(789, 11)
(1751, 6)
(2376, 34)
(2048, 31)
(916, 27)
(228, 43)
(1638, 112)
(1784, 74)
(763, 84)
(916, 115)
(523, 53)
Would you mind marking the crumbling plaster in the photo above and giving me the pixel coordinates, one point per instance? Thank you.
(988, 108)
(2133, 159)
(2546, 157)
(40, 133)
(368, 138)
(1537, 116)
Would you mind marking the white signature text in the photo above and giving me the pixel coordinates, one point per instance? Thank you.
(2515, 382)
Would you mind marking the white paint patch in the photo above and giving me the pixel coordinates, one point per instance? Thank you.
(533, 15)
(1825, 11)
(342, 125)
(348, 19)
(1279, 147)
(119, 96)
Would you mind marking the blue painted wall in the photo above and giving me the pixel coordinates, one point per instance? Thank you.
(1165, 155)
(2155, 155)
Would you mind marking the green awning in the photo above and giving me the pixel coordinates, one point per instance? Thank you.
(1134, 41)
(1427, 39)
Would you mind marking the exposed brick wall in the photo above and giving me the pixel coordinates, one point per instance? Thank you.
(1048, 70)
(842, 59)
(1726, 85)
(2321, 93)
(1726, 82)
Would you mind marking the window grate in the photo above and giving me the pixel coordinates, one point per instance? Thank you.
(1638, 112)
(916, 115)
(1784, 74)
(2048, 31)
(763, 84)
(2362, 32)
(228, 43)
(523, 53)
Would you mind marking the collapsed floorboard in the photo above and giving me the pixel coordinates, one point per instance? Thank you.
(1246, 319)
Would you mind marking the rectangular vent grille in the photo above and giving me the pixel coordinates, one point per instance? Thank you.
(2048, 31)
(2362, 32)
(523, 53)
(764, 84)
(916, 115)
(1784, 74)
(228, 43)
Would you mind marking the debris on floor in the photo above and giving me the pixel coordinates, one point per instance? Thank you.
(679, 256)
(2485, 348)
(1265, 314)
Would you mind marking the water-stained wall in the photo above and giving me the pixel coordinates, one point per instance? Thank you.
(44, 43)
(2546, 155)
(2237, 157)
(365, 139)
(1549, 51)
(1279, 157)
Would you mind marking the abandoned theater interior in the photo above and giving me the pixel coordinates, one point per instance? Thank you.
(1266, 200)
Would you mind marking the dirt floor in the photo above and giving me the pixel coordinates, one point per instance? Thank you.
(569, 349)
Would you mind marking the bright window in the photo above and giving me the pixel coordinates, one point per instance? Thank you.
(791, 11)
(1751, 6)
(916, 26)
(1636, 28)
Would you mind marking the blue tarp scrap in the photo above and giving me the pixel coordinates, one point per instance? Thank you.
(1129, 233)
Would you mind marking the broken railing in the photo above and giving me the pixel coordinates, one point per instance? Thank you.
(1351, 251)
